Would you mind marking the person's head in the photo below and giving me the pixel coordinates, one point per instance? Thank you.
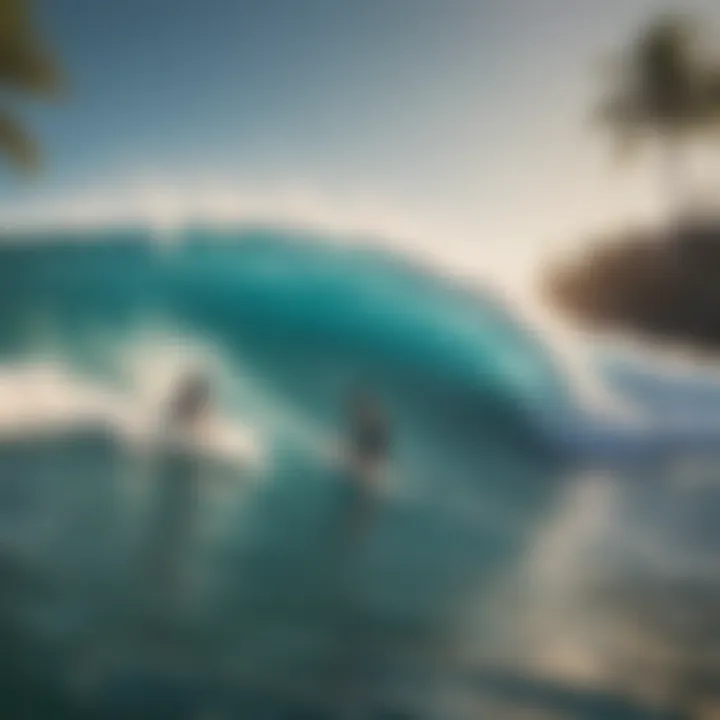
(191, 398)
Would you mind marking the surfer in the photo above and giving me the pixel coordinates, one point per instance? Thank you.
(190, 402)
(160, 584)
(368, 447)
(177, 494)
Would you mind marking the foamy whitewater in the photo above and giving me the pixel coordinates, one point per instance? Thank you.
(549, 507)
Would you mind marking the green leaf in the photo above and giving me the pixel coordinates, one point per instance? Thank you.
(17, 145)
(25, 64)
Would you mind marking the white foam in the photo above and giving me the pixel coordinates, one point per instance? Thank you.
(45, 397)
(40, 396)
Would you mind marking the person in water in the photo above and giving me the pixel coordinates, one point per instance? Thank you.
(177, 492)
(160, 585)
(369, 438)
(368, 449)
(190, 402)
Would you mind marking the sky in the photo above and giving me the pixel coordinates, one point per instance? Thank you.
(460, 125)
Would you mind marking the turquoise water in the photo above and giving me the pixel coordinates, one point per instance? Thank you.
(283, 615)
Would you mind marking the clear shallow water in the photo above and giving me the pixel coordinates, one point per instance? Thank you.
(499, 570)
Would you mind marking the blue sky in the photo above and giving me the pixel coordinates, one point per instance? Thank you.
(464, 117)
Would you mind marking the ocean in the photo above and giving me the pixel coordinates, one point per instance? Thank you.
(525, 554)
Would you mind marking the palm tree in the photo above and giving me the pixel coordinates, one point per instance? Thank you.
(662, 89)
(25, 67)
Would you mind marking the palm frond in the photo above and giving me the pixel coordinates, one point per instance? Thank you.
(25, 64)
(666, 71)
(660, 85)
(17, 144)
